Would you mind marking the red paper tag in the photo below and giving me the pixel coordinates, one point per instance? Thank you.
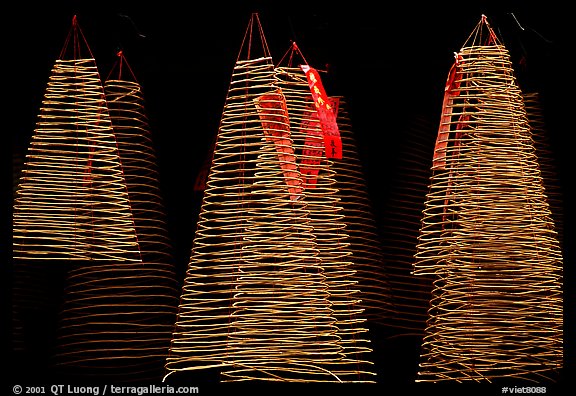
(439, 160)
(313, 148)
(326, 115)
(274, 117)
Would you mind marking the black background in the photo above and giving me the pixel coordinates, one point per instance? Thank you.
(390, 61)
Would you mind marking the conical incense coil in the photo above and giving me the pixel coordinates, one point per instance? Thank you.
(327, 220)
(487, 236)
(255, 301)
(72, 202)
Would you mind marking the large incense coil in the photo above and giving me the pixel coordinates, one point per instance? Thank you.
(487, 235)
(361, 225)
(73, 175)
(326, 216)
(255, 301)
(401, 222)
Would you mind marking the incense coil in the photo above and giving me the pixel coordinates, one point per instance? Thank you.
(117, 317)
(254, 268)
(71, 162)
(487, 235)
(327, 219)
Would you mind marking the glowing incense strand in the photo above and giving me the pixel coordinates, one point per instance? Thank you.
(140, 166)
(487, 236)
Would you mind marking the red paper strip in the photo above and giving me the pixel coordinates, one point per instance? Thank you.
(274, 117)
(439, 160)
(313, 148)
(326, 115)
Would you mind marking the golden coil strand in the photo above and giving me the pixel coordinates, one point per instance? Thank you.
(255, 300)
(488, 239)
(361, 226)
(327, 220)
